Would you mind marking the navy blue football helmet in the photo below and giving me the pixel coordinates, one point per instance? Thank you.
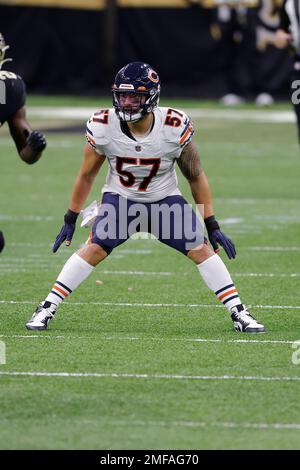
(140, 80)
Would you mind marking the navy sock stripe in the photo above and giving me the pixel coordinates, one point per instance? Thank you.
(64, 287)
(230, 298)
(224, 288)
(53, 292)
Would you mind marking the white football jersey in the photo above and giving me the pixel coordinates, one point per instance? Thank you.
(141, 168)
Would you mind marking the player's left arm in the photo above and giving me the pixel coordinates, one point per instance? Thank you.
(30, 144)
(190, 166)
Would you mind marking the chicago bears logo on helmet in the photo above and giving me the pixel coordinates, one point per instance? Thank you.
(153, 76)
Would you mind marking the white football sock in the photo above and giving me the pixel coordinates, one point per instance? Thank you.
(74, 272)
(217, 278)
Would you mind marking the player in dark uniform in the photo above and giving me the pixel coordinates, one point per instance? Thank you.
(288, 36)
(30, 144)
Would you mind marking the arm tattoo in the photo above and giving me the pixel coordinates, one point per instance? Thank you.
(189, 162)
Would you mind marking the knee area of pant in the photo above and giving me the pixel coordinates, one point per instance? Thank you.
(97, 250)
(201, 253)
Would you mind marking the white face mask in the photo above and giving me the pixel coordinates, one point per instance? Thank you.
(130, 105)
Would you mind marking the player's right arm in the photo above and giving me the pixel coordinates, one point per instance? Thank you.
(89, 169)
(30, 144)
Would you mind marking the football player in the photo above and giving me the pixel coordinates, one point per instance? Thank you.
(143, 143)
(30, 144)
(287, 36)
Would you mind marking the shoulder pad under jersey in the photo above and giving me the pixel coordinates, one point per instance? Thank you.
(98, 129)
(178, 126)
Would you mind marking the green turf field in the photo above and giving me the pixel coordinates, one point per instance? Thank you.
(164, 367)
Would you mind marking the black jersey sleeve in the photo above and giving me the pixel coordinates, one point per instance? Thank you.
(13, 94)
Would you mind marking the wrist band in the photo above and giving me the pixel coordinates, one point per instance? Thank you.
(211, 223)
(71, 217)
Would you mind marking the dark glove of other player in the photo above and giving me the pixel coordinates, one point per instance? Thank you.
(216, 237)
(36, 141)
(2, 243)
(67, 230)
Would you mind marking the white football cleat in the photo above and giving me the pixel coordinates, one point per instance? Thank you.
(41, 317)
(244, 322)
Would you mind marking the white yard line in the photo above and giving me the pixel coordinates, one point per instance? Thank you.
(83, 113)
(126, 251)
(272, 248)
(37, 336)
(256, 201)
(150, 305)
(28, 218)
(204, 424)
(18, 271)
(41, 335)
(291, 275)
(141, 251)
(139, 273)
(135, 252)
(5, 268)
(30, 245)
(116, 375)
(25, 263)
(31, 263)
(239, 341)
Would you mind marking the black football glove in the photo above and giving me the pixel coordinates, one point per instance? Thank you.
(67, 230)
(217, 237)
(2, 243)
(36, 141)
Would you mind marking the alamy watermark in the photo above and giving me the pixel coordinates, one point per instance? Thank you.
(166, 222)
(296, 353)
(2, 353)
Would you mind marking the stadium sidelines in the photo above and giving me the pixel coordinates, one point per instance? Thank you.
(116, 375)
(84, 113)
